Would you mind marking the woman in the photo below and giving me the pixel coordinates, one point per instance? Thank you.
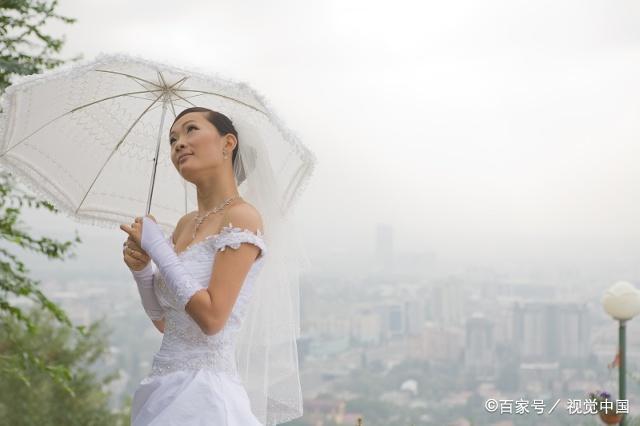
(200, 293)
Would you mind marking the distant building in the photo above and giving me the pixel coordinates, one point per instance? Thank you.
(479, 355)
(447, 303)
(400, 316)
(333, 326)
(392, 318)
(548, 332)
(366, 327)
(327, 346)
(414, 316)
(440, 343)
(538, 378)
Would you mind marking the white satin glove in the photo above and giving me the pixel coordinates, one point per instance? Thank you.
(178, 280)
(150, 303)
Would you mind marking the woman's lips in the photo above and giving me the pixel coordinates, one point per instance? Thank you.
(183, 158)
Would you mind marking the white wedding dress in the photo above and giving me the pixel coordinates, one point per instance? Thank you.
(194, 378)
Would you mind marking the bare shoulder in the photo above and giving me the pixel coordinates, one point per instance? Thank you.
(244, 215)
(181, 223)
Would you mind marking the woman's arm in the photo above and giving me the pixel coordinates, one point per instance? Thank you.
(144, 280)
(210, 309)
(159, 324)
(212, 305)
(143, 271)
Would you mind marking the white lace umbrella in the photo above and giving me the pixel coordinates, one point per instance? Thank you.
(93, 137)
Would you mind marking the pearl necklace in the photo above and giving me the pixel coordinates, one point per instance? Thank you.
(199, 219)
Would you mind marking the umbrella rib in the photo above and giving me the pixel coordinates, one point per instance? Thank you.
(173, 108)
(182, 80)
(139, 79)
(138, 97)
(190, 103)
(179, 82)
(172, 86)
(130, 76)
(194, 96)
(222, 96)
(140, 84)
(113, 97)
(155, 107)
(181, 106)
(161, 77)
(116, 149)
(71, 112)
(184, 98)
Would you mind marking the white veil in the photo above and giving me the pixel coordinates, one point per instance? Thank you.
(266, 352)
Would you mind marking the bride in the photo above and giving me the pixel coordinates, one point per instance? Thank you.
(196, 286)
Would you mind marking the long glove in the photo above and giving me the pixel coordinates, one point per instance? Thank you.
(144, 279)
(178, 280)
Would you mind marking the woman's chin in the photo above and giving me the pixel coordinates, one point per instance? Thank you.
(185, 172)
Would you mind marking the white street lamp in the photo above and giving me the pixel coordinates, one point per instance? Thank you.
(622, 302)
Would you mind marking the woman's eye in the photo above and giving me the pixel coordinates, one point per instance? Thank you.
(172, 140)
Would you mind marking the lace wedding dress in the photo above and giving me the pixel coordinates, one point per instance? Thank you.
(194, 378)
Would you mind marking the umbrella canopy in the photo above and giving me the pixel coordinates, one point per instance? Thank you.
(92, 137)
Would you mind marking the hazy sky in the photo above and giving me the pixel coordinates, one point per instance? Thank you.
(479, 129)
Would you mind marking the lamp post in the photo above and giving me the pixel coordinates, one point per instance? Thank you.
(622, 302)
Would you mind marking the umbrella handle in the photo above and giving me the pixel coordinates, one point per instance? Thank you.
(155, 159)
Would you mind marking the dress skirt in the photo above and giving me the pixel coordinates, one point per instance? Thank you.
(192, 398)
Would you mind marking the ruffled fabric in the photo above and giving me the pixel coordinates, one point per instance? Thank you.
(233, 237)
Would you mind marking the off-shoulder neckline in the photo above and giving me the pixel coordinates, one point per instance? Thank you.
(223, 230)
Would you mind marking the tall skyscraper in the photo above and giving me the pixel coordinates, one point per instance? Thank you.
(384, 248)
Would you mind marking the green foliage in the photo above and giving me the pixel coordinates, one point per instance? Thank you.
(30, 397)
(46, 364)
(24, 48)
(14, 279)
(16, 286)
(374, 408)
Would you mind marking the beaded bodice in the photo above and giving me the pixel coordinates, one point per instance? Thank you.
(184, 345)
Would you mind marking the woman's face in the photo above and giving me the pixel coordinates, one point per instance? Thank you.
(195, 145)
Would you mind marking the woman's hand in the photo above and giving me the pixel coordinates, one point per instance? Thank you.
(135, 258)
(135, 230)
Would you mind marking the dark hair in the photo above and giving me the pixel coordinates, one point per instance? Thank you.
(224, 126)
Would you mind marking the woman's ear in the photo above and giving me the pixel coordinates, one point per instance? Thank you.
(230, 142)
